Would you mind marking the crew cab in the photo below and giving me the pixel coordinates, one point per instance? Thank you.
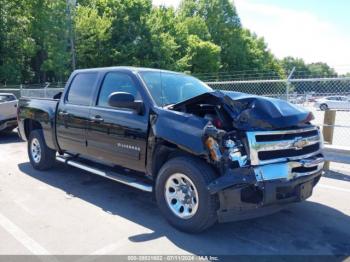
(8, 109)
(206, 155)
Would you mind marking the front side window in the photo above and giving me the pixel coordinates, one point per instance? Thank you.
(117, 82)
(168, 88)
(81, 89)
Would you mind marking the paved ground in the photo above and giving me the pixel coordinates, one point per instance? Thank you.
(67, 211)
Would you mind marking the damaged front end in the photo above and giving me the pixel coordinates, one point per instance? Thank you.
(264, 160)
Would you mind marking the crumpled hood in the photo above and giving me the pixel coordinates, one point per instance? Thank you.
(258, 112)
(251, 112)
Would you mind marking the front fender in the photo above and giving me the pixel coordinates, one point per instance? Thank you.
(184, 130)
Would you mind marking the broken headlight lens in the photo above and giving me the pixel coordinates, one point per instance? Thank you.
(234, 152)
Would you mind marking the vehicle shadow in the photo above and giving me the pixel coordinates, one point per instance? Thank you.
(12, 137)
(304, 228)
(337, 175)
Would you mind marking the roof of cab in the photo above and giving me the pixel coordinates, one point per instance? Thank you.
(130, 68)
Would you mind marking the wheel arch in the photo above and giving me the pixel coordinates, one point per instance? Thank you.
(163, 152)
(30, 125)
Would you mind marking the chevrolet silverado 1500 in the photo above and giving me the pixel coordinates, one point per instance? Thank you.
(206, 155)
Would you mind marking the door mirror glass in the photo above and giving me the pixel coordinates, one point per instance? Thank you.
(125, 100)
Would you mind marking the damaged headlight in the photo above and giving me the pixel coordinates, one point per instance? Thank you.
(234, 152)
(224, 147)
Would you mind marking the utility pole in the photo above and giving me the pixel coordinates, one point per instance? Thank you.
(288, 84)
(71, 4)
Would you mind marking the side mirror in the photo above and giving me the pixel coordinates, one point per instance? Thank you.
(125, 100)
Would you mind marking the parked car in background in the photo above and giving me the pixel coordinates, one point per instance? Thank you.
(8, 112)
(333, 102)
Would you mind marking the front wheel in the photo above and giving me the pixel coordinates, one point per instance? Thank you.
(182, 194)
(40, 155)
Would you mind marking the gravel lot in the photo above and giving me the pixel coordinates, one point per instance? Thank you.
(67, 211)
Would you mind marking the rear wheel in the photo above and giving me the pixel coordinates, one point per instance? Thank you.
(323, 107)
(40, 155)
(182, 194)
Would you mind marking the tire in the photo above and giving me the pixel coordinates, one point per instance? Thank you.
(40, 155)
(323, 107)
(203, 211)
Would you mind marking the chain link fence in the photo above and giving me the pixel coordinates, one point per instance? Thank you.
(44, 90)
(311, 93)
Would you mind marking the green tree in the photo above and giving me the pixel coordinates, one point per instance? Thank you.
(93, 36)
(240, 49)
(163, 47)
(320, 69)
(129, 33)
(16, 44)
(202, 56)
(301, 69)
(49, 25)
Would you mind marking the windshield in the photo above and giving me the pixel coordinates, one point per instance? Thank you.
(172, 88)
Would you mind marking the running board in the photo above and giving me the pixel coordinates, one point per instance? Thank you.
(126, 180)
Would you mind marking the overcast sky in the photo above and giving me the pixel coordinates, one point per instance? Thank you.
(315, 30)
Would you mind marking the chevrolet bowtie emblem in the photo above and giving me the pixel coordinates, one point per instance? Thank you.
(300, 143)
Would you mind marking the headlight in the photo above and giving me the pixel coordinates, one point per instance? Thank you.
(234, 153)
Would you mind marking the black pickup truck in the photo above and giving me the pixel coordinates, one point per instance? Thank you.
(206, 155)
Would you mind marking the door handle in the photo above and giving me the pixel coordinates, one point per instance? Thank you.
(63, 113)
(97, 119)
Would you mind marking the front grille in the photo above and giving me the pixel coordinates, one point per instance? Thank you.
(266, 155)
(277, 137)
(277, 146)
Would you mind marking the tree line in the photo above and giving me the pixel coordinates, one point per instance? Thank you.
(200, 36)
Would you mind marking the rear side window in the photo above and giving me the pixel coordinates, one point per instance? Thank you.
(117, 82)
(81, 89)
(7, 98)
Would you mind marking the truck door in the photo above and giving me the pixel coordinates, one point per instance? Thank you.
(73, 113)
(117, 135)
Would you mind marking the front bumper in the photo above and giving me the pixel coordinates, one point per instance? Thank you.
(250, 192)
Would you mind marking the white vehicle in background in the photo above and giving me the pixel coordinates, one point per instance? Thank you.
(8, 112)
(333, 102)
